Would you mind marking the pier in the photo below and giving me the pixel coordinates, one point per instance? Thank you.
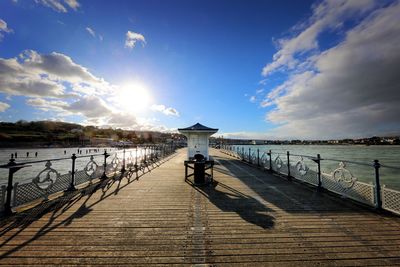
(245, 217)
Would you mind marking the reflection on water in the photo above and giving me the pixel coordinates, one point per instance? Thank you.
(387, 155)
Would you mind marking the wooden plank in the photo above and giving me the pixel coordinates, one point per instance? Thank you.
(248, 217)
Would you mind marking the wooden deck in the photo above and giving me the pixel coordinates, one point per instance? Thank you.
(248, 217)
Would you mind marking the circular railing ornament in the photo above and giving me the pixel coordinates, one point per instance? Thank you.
(130, 160)
(278, 162)
(301, 167)
(91, 167)
(253, 157)
(115, 162)
(343, 176)
(264, 159)
(46, 178)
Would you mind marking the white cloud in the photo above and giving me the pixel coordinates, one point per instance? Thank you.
(74, 4)
(4, 29)
(48, 75)
(327, 15)
(171, 112)
(350, 90)
(247, 135)
(59, 5)
(46, 105)
(3, 106)
(167, 111)
(58, 65)
(159, 108)
(94, 109)
(90, 107)
(91, 31)
(55, 83)
(132, 38)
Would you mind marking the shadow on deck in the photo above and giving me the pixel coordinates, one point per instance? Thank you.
(246, 217)
(76, 203)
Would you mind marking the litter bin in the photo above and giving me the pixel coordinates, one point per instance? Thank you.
(199, 169)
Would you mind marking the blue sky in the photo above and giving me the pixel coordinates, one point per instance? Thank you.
(259, 69)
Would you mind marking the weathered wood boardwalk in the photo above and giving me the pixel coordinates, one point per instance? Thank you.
(248, 217)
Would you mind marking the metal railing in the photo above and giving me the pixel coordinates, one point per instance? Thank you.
(311, 170)
(83, 170)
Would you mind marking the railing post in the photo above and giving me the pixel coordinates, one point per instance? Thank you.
(249, 157)
(258, 157)
(288, 165)
(11, 171)
(377, 165)
(243, 153)
(123, 161)
(72, 184)
(319, 171)
(270, 160)
(104, 176)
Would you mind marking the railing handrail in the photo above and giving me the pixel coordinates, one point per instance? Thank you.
(69, 157)
(331, 159)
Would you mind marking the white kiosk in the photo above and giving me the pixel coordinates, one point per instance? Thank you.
(197, 139)
(198, 158)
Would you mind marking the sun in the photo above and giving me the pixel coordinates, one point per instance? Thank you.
(133, 97)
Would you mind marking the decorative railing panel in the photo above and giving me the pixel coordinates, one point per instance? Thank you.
(359, 191)
(390, 200)
(339, 179)
(277, 164)
(306, 175)
(83, 169)
(28, 192)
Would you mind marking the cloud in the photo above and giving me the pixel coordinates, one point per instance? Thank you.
(247, 135)
(171, 112)
(3, 106)
(350, 90)
(90, 107)
(123, 120)
(55, 83)
(74, 4)
(59, 5)
(47, 105)
(4, 29)
(91, 31)
(132, 38)
(327, 15)
(94, 109)
(49, 75)
(252, 99)
(58, 65)
(167, 111)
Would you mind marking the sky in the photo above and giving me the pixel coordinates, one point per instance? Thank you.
(255, 69)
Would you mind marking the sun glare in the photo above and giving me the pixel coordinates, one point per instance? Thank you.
(133, 97)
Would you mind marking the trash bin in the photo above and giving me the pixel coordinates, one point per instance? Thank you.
(199, 169)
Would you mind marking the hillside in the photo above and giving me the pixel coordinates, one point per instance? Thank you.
(54, 133)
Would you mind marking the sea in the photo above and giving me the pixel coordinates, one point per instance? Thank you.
(357, 159)
(60, 159)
